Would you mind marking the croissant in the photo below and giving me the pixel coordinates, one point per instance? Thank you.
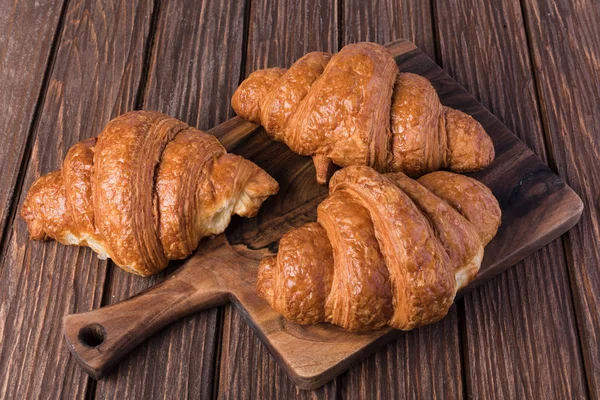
(355, 108)
(385, 250)
(144, 192)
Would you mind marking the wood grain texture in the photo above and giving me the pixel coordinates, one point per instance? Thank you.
(514, 353)
(249, 371)
(95, 75)
(193, 71)
(506, 355)
(420, 364)
(567, 70)
(382, 22)
(280, 32)
(521, 324)
(25, 45)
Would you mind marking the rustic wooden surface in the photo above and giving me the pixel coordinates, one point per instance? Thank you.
(535, 295)
(93, 75)
(71, 66)
(525, 188)
(568, 84)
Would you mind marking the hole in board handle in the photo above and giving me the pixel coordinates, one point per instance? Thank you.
(92, 335)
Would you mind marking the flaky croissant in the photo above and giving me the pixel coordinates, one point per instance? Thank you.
(355, 108)
(144, 192)
(386, 250)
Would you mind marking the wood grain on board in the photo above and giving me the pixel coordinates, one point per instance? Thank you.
(94, 77)
(25, 46)
(193, 69)
(249, 371)
(520, 324)
(566, 60)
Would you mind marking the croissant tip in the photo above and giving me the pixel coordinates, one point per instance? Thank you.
(322, 168)
(321, 180)
(470, 147)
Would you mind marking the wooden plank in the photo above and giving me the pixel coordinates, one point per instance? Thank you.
(26, 36)
(280, 32)
(193, 71)
(518, 344)
(419, 350)
(421, 364)
(565, 59)
(95, 76)
(300, 27)
(382, 21)
(248, 371)
(521, 324)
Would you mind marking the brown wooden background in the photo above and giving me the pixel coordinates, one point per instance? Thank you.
(68, 66)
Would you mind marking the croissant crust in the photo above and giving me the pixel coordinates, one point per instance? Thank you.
(356, 108)
(144, 192)
(385, 250)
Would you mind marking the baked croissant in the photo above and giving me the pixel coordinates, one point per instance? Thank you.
(144, 192)
(355, 108)
(386, 250)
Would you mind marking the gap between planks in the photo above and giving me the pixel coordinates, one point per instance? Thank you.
(551, 160)
(139, 104)
(221, 310)
(91, 386)
(546, 148)
(26, 157)
(460, 303)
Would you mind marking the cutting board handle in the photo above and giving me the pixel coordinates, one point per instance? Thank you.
(98, 339)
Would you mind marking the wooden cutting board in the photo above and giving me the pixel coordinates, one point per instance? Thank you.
(537, 207)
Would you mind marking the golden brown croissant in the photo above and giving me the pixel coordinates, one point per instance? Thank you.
(355, 108)
(386, 250)
(144, 192)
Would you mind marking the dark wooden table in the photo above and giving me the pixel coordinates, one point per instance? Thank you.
(68, 66)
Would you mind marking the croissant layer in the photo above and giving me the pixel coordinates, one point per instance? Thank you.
(144, 192)
(356, 108)
(386, 250)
